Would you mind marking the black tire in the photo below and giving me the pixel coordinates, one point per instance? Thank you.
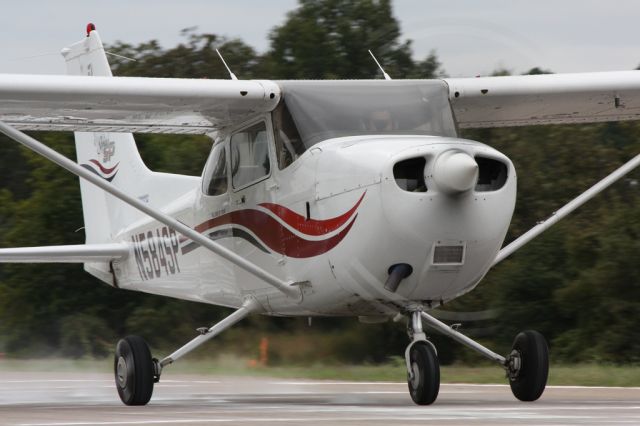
(133, 370)
(531, 380)
(425, 384)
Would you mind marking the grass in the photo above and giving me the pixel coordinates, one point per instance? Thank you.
(574, 375)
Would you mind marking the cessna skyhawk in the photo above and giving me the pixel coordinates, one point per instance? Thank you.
(319, 198)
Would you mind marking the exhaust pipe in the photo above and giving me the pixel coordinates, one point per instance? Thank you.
(397, 273)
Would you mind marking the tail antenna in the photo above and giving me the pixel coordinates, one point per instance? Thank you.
(120, 56)
(386, 76)
(232, 75)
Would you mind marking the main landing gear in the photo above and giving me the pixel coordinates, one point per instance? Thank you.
(527, 366)
(136, 371)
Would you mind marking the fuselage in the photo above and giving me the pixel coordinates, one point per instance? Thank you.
(338, 218)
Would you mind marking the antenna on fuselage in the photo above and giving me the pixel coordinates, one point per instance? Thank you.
(386, 76)
(232, 75)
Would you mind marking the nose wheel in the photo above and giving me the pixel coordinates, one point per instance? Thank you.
(423, 368)
(424, 376)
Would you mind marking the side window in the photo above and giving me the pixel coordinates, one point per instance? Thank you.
(249, 155)
(215, 176)
(289, 145)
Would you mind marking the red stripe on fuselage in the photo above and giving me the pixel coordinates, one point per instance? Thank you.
(310, 226)
(274, 235)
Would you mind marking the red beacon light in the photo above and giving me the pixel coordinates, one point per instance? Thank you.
(90, 27)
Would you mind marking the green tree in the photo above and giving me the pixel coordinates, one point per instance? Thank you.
(330, 39)
(196, 58)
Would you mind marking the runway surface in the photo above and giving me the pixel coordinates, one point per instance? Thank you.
(91, 399)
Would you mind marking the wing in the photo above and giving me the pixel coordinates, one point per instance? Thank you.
(65, 254)
(91, 100)
(130, 104)
(545, 99)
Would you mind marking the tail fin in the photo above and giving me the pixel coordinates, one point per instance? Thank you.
(112, 156)
(115, 158)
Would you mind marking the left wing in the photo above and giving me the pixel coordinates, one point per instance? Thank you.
(545, 99)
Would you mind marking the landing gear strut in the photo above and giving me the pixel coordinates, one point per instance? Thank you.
(527, 366)
(136, 372)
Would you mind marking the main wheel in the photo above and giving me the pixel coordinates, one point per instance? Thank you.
(424, 380)
(133, 368)
(529, 365)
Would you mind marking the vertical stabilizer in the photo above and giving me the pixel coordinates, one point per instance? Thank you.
(114, 157)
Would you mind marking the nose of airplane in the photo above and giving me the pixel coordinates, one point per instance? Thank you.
(455, 172)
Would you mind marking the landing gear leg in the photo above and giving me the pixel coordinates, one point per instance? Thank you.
(135, 370)
(527, 365)
(423, 368)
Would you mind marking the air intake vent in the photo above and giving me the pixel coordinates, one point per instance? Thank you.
(447, 255)
(409, 174)
(492, 174)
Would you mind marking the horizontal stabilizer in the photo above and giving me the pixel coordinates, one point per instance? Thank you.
(65, 254)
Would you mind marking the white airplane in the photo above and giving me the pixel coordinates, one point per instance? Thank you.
(319, 198)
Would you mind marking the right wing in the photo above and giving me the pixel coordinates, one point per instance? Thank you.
(84, 102)
(130, 104)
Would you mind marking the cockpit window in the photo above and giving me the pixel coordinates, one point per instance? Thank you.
(311, 112)
(249, 155)
(289, 144)
(215, 175)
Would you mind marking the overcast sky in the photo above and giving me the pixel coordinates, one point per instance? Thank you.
(470, 37)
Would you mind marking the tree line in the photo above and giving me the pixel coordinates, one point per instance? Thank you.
(578, 284)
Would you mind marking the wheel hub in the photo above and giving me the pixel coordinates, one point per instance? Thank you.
(415, 375)
(514, 364)
(121, 372)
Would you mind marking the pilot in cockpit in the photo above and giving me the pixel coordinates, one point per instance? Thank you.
(380, 120)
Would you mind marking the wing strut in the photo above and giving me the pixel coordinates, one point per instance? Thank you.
(59, 159)
(566, 209)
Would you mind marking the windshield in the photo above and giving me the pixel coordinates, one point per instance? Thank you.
(313, 111)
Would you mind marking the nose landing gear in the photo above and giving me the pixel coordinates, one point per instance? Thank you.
(527, 366)
(423, 368)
